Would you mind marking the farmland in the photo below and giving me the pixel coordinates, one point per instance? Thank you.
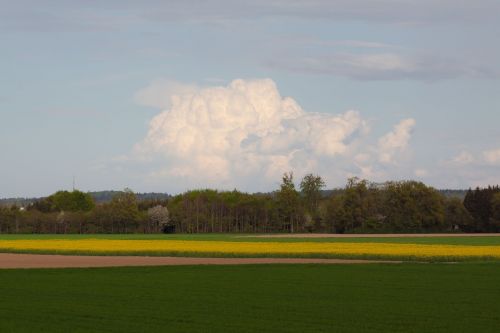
(423, 296)
(398, 248)
(264, 298)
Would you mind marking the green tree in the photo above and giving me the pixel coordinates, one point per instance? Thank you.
(9, 219)
(414, 207)
(356, 208)
(311, 186)
(336, 214)
(288, 202)
(456, 216)
(125, 215)
(362, 204)
(75, 201)
(495, 212)
(479, 203)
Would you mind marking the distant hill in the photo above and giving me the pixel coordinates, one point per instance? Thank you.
(21, 202)
(106, 196)
(460, 194)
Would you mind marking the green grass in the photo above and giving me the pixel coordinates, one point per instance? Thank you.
(266, 298)
(462, 240)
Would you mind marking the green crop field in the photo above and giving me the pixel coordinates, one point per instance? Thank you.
(266, 298)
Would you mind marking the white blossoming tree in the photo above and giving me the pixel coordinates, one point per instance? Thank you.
(158, 217)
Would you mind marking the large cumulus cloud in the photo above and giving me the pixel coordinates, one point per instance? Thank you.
(246, 135)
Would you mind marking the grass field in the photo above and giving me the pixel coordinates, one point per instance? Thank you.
(404, 248)
(269, 298)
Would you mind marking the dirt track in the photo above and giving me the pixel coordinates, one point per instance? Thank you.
(11, 260)
(369, 235)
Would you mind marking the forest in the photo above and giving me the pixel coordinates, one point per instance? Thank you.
(360, 207)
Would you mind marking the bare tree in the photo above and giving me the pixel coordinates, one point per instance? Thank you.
(61, 221)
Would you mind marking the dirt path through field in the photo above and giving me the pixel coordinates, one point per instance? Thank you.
(12, 260)
(369, 235)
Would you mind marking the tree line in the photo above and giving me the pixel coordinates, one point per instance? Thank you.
(360, 207)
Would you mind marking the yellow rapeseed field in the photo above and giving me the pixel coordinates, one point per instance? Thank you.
(300, 249)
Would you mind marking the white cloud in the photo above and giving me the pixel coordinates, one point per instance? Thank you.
(242, 133)
(246, 135)
(421, 173)
(468, 169)
(396, 141)
(492, 156)
(464, 157)
(485, 158)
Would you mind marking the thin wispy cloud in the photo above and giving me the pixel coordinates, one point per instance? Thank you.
(50, 16)
(384, 66)
(382, 11)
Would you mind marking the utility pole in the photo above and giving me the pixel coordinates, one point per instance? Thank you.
(73, 183)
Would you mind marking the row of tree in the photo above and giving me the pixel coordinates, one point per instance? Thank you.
(361, 206)
(395, 207)
(484, 207)
(76, 212)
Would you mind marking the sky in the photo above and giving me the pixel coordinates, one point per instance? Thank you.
(168, 96)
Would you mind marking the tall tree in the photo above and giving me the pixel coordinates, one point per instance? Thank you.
(125, 213)
(288, 201)
(495, 212)
(311, 186)
(480, 204)
(413, 206)
(456, 216)
(336, 214)
(356, 208)
(75, 201)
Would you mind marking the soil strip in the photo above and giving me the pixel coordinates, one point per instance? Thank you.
(14, 260)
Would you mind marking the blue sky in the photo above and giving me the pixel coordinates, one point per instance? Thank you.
(170, 95)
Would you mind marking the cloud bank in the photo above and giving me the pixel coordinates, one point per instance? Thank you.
(247, 135)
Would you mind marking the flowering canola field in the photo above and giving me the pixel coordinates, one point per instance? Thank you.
(245, 249)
